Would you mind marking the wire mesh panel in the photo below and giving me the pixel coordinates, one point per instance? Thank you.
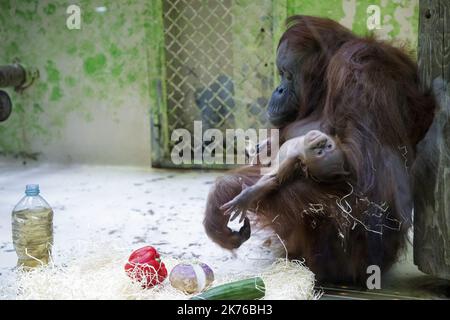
(218, 64)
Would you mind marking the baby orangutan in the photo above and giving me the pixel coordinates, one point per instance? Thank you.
(314, 155)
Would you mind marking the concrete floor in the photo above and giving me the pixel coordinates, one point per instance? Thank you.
(129, 206)
(138, 206)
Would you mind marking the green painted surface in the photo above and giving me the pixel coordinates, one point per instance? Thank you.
(119, 54)
(399, 18)
(104, 62)
(94, 65)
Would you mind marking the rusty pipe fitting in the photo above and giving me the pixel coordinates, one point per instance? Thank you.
(17, 76)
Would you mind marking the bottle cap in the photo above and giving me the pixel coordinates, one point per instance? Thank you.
(32, 190)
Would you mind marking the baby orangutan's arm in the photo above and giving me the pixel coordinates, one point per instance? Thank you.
(251, 195)
(290, 168)
(313, 155)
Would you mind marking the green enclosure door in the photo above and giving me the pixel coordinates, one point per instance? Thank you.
(218, 67)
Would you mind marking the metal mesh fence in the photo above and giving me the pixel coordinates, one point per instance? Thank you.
(219, 62)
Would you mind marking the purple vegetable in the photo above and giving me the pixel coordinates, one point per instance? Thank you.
(191, 277)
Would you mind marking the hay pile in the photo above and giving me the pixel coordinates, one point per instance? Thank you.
(100, 275)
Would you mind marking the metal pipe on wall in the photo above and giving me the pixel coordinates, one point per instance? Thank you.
(17, 76)
(12, 75)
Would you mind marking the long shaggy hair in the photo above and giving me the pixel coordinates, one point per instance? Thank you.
(367, 93)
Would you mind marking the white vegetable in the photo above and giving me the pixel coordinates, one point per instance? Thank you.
(191, 277)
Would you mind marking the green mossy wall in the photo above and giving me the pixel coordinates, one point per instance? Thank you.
(98, 84)
(92, 101)
(399, 18)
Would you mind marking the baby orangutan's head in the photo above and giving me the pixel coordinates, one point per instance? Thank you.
(323, 157)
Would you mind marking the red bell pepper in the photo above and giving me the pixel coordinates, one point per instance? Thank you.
(145, 266)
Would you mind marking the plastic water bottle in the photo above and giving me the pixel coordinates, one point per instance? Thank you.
(32, 228)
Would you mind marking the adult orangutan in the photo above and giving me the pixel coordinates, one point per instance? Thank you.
(366, 93)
